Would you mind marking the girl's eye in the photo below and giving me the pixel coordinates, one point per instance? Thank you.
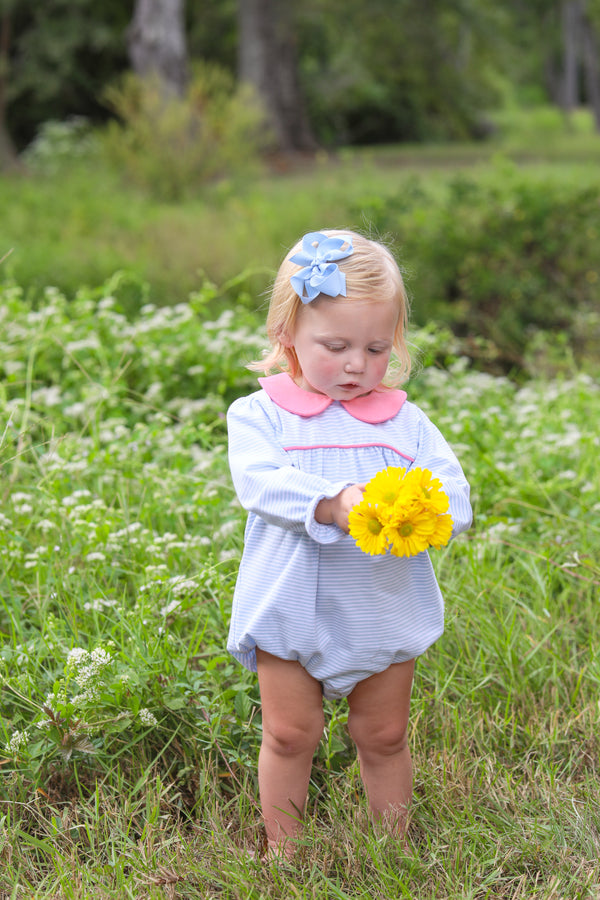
(375, 350)
(335, 348)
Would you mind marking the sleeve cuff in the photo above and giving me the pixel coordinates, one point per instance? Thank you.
(325, 534)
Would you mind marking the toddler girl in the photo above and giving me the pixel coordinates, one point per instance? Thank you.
(312, 613)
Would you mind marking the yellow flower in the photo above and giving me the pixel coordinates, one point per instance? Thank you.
(403, 511)
(443, 531)
(429, 490)
(386, 486)
(367, 529)
(410, 531)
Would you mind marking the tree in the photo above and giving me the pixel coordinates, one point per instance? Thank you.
(581, 57)
(571, 30)
(157, 43)
(8, 154)
(268, 60)
(401, 70)
(57, 57)
(591, 60)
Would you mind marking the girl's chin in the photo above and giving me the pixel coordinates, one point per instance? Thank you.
(351, 390)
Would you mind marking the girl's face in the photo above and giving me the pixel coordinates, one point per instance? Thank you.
(343, 346)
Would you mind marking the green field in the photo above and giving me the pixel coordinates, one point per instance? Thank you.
(75, 223)
(129, 735)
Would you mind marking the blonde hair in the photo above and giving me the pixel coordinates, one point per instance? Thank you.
(371, 274)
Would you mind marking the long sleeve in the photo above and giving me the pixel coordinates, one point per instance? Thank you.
(266, 482)
(435, 454)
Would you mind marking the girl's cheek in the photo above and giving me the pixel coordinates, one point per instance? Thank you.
(332, 370)
(327, 363)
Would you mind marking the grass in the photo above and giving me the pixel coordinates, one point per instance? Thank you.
(131, 772)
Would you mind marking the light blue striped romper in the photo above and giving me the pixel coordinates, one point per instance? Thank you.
(304, 590)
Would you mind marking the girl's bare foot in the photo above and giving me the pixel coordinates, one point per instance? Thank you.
(284, 852)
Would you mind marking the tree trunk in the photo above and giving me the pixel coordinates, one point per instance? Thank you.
(267, 59)
(157, 44)
(8, 154)
(571, 26)
(591, 62)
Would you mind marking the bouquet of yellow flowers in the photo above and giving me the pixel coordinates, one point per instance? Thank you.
(403, 511)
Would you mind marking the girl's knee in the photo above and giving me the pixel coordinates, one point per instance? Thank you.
(383, 738)
(293, 737)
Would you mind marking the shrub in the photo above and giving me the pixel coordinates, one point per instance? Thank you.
(58, 145)
(173, 148)
(502, 261)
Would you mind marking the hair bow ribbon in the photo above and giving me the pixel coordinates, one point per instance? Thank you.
(320, 275)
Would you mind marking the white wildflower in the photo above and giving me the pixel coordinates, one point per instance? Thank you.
(12, 366)
(180, 585)
(153, 391)
(88, 343)
(227, 528)
(46, 525)
(147, 718)
(571, 439)
(98, 604)
(101, 658)
(226, 555)
(47, 396)
(169, 608)
(129, 530)
(50, 704)
(87, 669)
(19, 739)
(95, 556)
(76, 657)
(75, 410)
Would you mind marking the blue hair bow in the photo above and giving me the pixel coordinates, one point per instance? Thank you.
(320, 274)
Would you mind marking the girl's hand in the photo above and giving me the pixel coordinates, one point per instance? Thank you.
(335, 511)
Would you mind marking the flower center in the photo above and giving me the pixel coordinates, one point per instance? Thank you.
(374, 526)
(406, 529)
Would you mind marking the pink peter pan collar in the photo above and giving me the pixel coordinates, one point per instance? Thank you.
(378, 406)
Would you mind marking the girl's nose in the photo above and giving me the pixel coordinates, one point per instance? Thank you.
(356, 363)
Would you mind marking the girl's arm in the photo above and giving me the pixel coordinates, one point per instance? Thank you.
(434, 453)
(268, 486)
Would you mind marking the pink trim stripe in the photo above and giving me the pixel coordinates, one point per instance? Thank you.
(349, 447)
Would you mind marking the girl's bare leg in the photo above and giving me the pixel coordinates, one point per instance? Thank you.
(293, 721)
(378, 723)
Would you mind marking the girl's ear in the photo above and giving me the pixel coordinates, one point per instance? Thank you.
(285, 339)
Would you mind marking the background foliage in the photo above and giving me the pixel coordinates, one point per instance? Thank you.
(499, 253)
(501, 258)
(62, 54)
(381, 71)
